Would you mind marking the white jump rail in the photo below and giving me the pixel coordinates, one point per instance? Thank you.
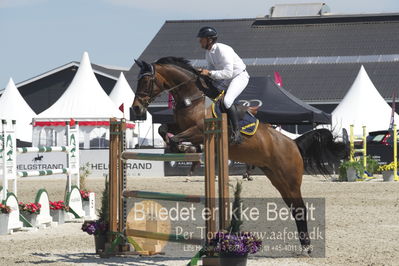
(9, 151)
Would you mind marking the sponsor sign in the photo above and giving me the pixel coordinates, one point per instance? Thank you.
(98, 162)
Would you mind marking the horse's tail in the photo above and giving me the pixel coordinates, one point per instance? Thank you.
(319, 147)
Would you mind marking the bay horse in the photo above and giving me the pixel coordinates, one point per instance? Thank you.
(281, 159)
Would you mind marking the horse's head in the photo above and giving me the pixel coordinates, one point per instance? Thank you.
(148, 88)
(173, 74)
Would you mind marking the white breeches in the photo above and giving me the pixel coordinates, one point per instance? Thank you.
(236, 86)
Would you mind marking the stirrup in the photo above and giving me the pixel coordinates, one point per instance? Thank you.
(235, 137)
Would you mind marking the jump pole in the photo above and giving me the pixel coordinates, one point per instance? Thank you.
(395, 152)
(363, 150)
(215, 139)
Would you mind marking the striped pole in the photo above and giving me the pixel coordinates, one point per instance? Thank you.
(162, 196)
(44, 149)
(167, 157)
(395, 153)
(364, 139)
(43, 172)
(352, 144)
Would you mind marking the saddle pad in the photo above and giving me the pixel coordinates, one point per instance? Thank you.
(249, 124)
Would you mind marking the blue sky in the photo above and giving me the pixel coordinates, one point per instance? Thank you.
(39, 35)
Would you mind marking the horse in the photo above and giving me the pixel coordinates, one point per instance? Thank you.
(281, 159)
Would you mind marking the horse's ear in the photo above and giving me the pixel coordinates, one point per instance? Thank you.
(148, 67)
(139, 63)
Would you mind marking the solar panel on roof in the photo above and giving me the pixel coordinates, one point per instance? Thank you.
(299, 10)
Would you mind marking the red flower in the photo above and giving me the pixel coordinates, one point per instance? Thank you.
(58, 205)
(30, 207)
(84, 194)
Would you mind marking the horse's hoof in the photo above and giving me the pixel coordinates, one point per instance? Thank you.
(306, 250)
(250, 178)
(174, 140)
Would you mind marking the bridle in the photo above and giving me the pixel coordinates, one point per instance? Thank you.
(146, 96)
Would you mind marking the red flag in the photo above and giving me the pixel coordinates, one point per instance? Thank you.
(72, 122)
(278, 79)
(170, 101)
(122, 108)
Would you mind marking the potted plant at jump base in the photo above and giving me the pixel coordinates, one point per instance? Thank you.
(4, 216)
(99, 228)
(30, 211)
(84, 173)
(387, 171)
(85, 200)
(57, 211)
(233, 245)
(372, 167)
(349, 170)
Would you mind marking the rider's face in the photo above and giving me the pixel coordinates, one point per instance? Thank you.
(203, 43)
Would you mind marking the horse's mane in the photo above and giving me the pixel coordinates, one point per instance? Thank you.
(210, 91)
(177, 61)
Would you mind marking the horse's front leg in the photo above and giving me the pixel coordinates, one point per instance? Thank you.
(193, 134)
(165, 129)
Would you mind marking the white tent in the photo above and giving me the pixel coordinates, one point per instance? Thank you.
(14, 107)
(122, 94)
(362, 106)
(86, 102)
(144, 130)
(83, 99)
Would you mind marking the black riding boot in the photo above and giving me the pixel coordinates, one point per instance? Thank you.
(232, 114)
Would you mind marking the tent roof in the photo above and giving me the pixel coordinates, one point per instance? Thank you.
(122, 94)
(84, 98)
(278, 106)
(14, 107)
(362, 106)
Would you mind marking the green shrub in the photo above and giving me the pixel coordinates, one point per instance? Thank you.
(357, 165)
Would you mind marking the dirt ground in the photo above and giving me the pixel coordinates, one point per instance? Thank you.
(362, 223)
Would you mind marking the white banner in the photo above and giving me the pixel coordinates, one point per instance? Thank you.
(98, 161)
(41, 161)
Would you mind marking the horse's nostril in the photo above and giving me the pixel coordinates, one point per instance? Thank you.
(136, 109)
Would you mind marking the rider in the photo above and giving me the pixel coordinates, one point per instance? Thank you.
(224, 64)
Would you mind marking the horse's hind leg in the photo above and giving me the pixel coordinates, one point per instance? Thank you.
(248, 171)
(288, 183)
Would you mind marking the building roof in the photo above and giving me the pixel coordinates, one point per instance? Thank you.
(111, 72)
(317, 57)
(101, 70)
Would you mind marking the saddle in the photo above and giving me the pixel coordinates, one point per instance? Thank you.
(246, 114)
(247, 120)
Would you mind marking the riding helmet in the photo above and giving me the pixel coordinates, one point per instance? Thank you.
(207, 32)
